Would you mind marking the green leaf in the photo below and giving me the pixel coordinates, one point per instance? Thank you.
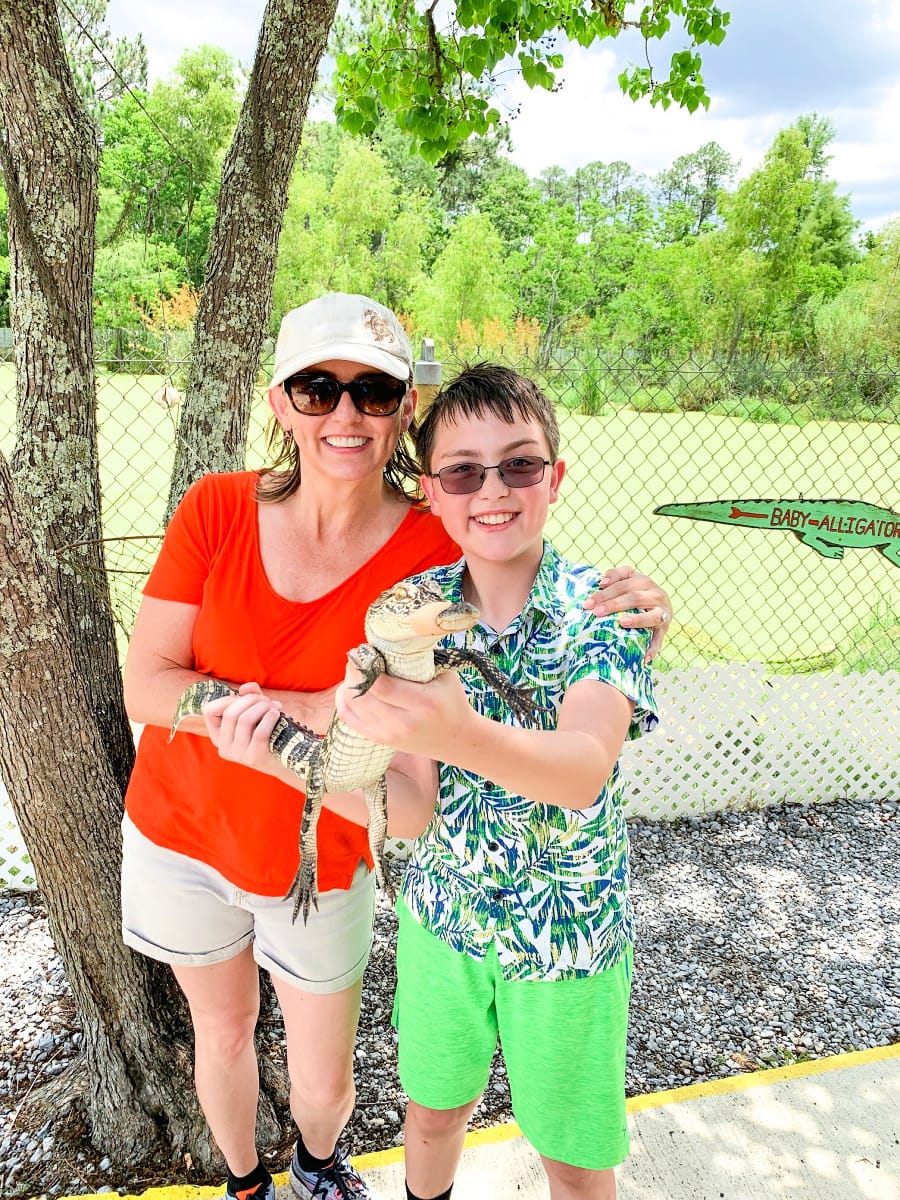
(352, 120)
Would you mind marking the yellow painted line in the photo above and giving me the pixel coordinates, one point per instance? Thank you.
(475, 1137)
(181, 1191)
(634, 1104)
(740, 1083)
(378, 1158)
(692, 1091)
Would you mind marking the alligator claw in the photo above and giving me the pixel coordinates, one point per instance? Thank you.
(304, 891)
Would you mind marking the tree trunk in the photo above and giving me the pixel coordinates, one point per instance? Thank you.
(65, 743)
(235, 304)
(135, 1086)
(49, 159)
(736, 331)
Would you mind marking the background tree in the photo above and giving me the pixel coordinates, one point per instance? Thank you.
(467, 283)
(687, 192)
(355, 231)
(864, 317)
(787, 239)
(103, 67)
(439, 83)
(610, 192)
(162, 154)
(513, 203)
(552, 275)
(660, 306)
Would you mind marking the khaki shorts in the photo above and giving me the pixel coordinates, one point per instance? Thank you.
(180, 911)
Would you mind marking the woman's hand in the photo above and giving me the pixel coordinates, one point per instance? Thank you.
(621, 589)
(240, 726)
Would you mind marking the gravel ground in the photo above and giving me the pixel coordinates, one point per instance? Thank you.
(764, 938)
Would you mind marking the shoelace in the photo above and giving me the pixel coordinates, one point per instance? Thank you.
(337, 1173)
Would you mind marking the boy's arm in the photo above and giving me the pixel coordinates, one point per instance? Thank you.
(567, 766)
(412, 781)
(239, 727)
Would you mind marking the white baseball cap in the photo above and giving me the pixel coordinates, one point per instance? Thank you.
(341, 325)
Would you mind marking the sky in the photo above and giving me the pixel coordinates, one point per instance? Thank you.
(781, 58)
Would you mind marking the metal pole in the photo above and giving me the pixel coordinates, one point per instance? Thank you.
(427, 375)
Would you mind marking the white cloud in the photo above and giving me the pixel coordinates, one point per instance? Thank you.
(589, 120)
(886, 17)
(170, 27)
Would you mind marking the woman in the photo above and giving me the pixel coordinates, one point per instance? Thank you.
(266, 576)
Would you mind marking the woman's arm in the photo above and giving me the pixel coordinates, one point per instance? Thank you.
(159, 666)
(240, 727)
(567, 766)
(621, 589)
(159, 663)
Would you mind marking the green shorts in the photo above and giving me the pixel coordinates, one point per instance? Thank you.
(563, 1044)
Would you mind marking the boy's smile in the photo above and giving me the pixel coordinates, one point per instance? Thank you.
(495, 518)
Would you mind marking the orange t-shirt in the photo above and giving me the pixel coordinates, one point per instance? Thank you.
(181, 794)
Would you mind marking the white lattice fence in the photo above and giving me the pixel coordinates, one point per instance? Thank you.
(15, 865)
(733, 735)
(843, 739)
(730, 735)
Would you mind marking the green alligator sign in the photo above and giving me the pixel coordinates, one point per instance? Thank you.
(827, 525)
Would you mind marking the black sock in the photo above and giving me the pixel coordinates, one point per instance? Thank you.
(443, 1196)
(306, 1160)
(258, 1177)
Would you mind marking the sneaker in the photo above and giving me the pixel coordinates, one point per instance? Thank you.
(262, 1191)
(340, 1181)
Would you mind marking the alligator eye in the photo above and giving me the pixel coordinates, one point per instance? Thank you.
(400, 592)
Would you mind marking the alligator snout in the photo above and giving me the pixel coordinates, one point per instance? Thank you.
(456, 617)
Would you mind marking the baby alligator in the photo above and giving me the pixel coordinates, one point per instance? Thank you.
(402, 626)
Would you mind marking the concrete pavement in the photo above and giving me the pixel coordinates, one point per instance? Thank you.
(822, 1130)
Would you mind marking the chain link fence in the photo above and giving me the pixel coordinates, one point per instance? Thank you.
(639, 434)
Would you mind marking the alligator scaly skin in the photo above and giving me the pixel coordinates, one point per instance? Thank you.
(403, 626)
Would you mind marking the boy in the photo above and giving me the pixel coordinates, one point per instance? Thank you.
(514, 916)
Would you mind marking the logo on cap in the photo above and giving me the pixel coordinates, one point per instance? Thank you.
(378, 326)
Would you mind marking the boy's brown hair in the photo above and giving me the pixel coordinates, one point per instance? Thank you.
(486, 388)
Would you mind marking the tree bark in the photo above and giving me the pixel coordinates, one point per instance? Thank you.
(65, 743)
(135, 1086)
(49, 159)
(234, 310)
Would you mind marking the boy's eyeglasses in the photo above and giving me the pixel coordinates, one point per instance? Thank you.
(317, 393)
(525, 470)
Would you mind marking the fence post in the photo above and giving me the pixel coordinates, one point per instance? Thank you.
(427, 375)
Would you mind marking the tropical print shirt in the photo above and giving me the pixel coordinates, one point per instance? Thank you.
(547, 886)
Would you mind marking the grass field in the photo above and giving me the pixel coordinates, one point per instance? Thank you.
(738, 593)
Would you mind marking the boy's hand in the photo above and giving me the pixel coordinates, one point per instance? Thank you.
(420, 718)
(621, 588)
(239, 727)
